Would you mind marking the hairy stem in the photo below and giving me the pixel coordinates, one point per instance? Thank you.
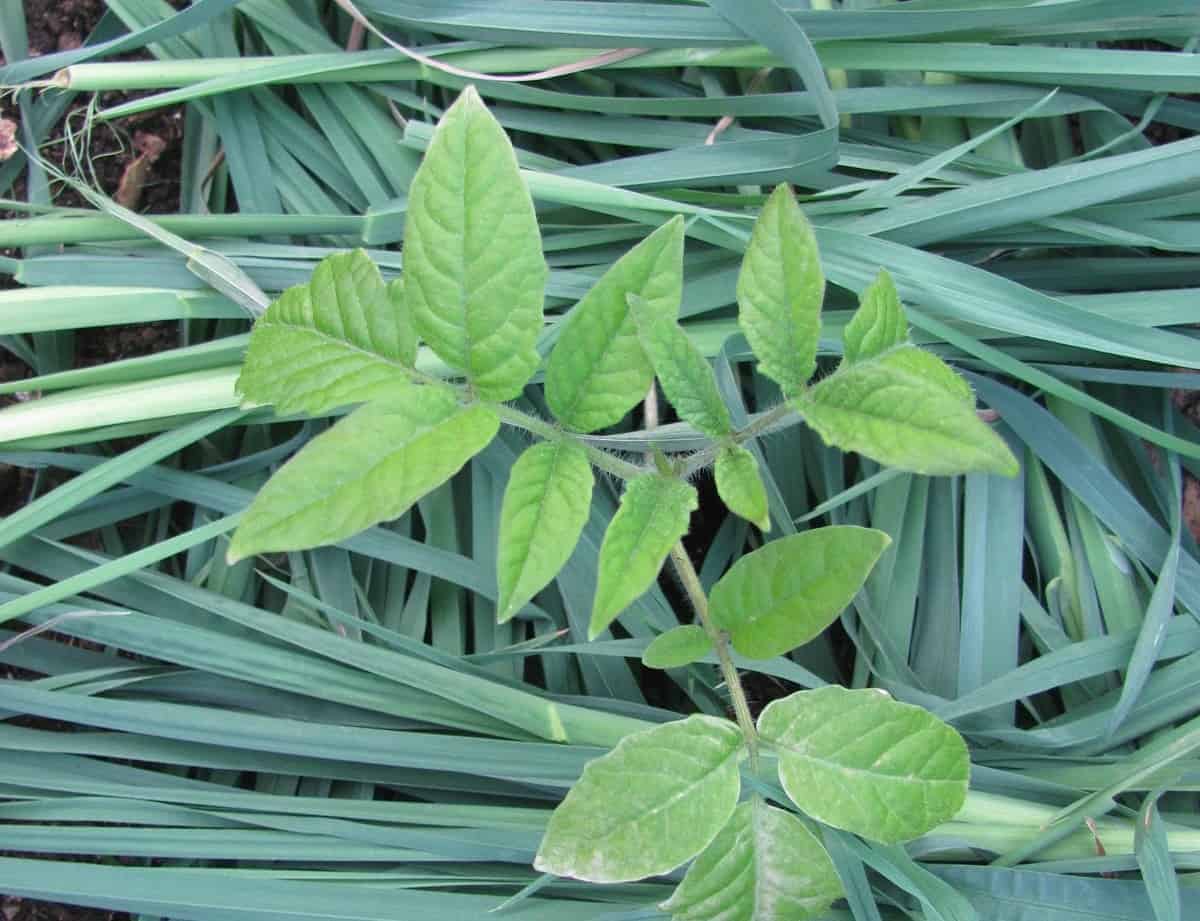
(771, 419)
(695, 592)
(600, 458)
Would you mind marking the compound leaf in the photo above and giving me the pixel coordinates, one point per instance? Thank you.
(879, 323)
(779, 292)
(765, 865)
(678, 647)
(653, 515)
(906, 409)
(545, 507)
(653, 802)
(370, 467)
(686, 376)
(740, 486)
(785, 593)
(862, 762)
(343, 337)
(474, 272)
(598, 369)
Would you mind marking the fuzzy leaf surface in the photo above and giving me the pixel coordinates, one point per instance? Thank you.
(653, 802)
(370, 467)
(686, 376)
(906, 409)
(862, 762)
(652, 516)
(787, 592)
(598, 369)
(678, 647)
(765, 865)
(545, 507)
(343, 337)
(741, 487)
(474, 272)
(879, 323)
(779, 292)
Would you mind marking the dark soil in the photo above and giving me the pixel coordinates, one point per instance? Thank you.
(60, 25)
(14, 909)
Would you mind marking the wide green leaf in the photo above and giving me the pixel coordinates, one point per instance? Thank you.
(344, 337)
(879, 323)
(779, 292)
(905, 410)
(685, 374)
(653, 515)
(678, 647)
(598, 369)
(545, 507)
(860, 761)
(932, 371)
(787, 592)
(741, 487)
(370, 467)
(474, 272)
(653, 802)
(765, 865)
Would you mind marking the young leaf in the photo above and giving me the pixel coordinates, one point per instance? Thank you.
(686, 377)
(344, 337)
(862, 762)
(653, 515)
(903, 410)
(779, 292)
(740, 487)
(786, 592)
(879, 323)
(368, 468)
(654, 801)
(765, 865)
(934, 372)
(598, 369)
(473, 266)
(545, 508)
(678, 647)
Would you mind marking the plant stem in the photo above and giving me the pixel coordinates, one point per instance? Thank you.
(737, 694)
(607, 462)
(764, 423)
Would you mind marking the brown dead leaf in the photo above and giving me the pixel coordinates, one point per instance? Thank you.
(1191, 504)
(8, 138)
(133, 180)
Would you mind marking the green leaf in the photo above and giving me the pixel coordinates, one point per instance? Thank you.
(779, 292)
(678, 647)
(788, 591)
(474, 272)
(931, 370)
(765, 865)
(406, 333)
(862, 762)
(344, 337)
(368, 468)
(653, 515)
(686, 376)
(740, 486)
(905, 410)
(653, 802)
(879, 323)
(598, 369)
(545, 507)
